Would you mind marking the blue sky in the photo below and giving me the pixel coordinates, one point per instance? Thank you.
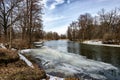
(58, 14)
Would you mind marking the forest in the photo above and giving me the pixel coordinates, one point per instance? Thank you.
(20, 19)
(21, 23)
(105, 26)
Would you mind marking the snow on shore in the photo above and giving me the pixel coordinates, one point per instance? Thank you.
(26, 60)
(25, 51)
(99, 43)
(2, 46)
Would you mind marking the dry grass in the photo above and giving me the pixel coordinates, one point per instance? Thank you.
(20, 44)
(8, 56)
(12, 68)
(23, 73)
(19, 63)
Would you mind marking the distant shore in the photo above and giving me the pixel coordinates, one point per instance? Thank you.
(99, 43)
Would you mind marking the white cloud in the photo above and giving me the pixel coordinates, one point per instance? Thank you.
(68, 1)
(102, 0)
(54, 4)
(55, 18)
(58, 29)
(44, 2)
(50, 24)
(59, 1)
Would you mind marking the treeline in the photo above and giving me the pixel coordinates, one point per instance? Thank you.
(105, 26)
(53, 36)
(20, 19)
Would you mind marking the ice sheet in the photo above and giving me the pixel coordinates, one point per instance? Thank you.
(68, 64)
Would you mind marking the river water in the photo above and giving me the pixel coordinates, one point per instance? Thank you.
(99, 53)
(65, 58)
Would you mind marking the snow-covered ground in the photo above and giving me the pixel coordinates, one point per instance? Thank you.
(95, 42)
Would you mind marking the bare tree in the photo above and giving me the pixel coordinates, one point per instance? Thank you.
(6, 7)
(85, 23)
(106, 27)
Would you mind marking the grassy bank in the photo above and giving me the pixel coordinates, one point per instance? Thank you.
(12, 68)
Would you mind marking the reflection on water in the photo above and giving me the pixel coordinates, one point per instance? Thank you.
(99, 53)
(73, 47)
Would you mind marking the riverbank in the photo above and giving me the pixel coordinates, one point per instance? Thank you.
(99, 43)
(16, 65)
(13, 67)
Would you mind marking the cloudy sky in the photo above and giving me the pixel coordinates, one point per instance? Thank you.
(60, 13)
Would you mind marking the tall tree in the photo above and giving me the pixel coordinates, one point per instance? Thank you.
(6, 7)
(85, 22)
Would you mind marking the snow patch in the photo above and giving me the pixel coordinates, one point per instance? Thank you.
(25, 51)
(94, 42)
(26, 60)
(2, 46)
(54, 77)
(38, 42)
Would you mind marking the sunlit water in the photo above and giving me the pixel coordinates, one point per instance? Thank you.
(63, 58)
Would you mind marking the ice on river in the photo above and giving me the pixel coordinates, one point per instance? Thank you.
(63, 64)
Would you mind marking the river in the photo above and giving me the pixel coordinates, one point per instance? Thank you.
(99, 53)
(65, 58)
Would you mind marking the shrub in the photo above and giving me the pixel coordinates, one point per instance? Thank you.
(107, 37)
(20, 44)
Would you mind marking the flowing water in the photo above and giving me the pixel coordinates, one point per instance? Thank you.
(99, 53)
(64, 58)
